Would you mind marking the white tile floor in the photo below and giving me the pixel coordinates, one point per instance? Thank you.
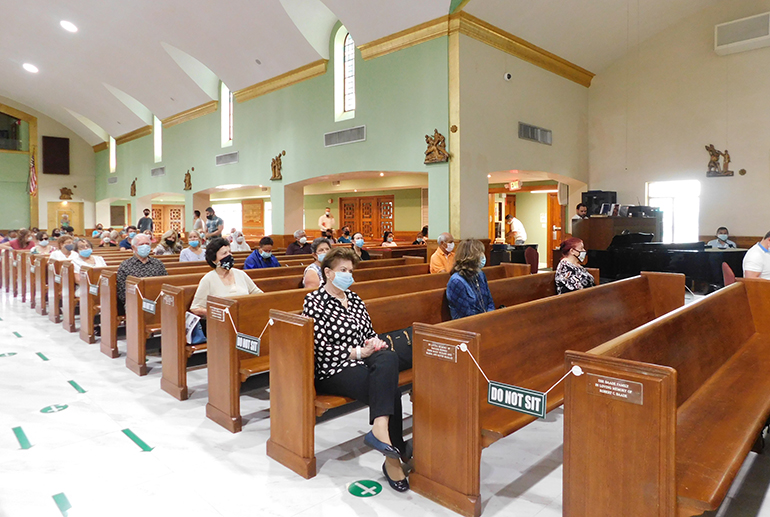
(198, 469)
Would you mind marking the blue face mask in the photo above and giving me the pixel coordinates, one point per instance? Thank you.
(266, 254)
(143, 250)
(483, 261)
(95, 233)
(342, 280)
(131, 235)
(86, 253)
(360, 243)
(321, 257)
(44, 243)
(722, 236)
(194, 244)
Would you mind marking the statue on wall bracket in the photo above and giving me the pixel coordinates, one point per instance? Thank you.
(714, 168)
(276, 166)
(66, 192)
(436, 151)
(133, 188)
(188, 179)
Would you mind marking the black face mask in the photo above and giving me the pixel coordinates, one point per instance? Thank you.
(210, 216)
(227, 262)
(347, 233)
(170, 243)
(147, 214)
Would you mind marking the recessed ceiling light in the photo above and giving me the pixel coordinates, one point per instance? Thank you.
(68, 26)
(29, 67)
(355, 190)
(257, 61)
(382, 174)
(489, 175)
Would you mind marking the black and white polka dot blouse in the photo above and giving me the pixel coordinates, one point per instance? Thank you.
(337, 329)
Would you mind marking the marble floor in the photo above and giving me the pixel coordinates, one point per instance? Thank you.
(197, 469)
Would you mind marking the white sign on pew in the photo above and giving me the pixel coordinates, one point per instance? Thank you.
(148, 306)
(93, 289)
(247, 343)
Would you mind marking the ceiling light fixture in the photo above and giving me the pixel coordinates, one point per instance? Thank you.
(230, 186)
(382, 174)
(29, 67)
(68, 26)
(257, 61)
(550, 191)
(489, 175)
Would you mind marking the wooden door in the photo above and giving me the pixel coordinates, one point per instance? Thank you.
(350, 209)
(510, 205)
(492, 217)
(555, 225)
(167, 217)
(253, 217)
(158, 224)
(372, 215)
(368, 217)
(385, 211)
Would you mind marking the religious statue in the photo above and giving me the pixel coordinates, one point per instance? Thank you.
(276, 166)
(188, 180)
(714, 169)
(65, 193)
(436, 152)
(133, 188)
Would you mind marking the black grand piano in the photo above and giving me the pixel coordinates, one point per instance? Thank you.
(631, 253)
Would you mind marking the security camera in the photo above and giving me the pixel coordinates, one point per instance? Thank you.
(507, 76)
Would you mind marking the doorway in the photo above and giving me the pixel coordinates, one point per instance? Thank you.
(371, 215)
(555, 226)
(72, 209)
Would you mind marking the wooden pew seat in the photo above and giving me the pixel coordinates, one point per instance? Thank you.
(252, 366)
(324, 403)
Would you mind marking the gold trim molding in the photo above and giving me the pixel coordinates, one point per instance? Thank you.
(406, 38)
(282, 81)
(101, 147)
(191, 114)
(13, 151)
(133, 135)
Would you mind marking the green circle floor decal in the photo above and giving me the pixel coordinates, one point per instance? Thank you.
(9, 354)
(365, 488)
(54, 409)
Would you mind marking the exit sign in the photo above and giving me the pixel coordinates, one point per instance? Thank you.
(514, 185)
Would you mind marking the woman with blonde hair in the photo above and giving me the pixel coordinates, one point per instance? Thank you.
(467, 290)
(168, 244)
(194, 252)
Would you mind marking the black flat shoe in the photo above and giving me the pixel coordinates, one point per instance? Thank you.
(384, 448)
(408, 451)
(398, 486)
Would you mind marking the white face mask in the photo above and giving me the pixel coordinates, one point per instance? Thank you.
(450, 246)
(240, 240)
(582, 256)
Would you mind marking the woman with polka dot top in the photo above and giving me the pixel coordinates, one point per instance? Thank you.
(351, 361)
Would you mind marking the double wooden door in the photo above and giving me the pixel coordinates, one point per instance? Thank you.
(167, 217)
(371, 215)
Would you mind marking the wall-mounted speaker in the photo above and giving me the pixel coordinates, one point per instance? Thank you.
(56, 155)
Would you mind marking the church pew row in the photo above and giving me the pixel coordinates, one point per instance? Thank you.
(294, 404)
(522, 346)
(41, 284)
(688, 400)
(109, 303)
(140, 325)
(229, 367)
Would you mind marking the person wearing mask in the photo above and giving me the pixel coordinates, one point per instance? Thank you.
(140, 265)
(55, 234)
(420, 239)
(326, 221)
(387, 240)
(721, 242)
(107, 241)
(444, 257)
(516, 233)
(85, 257)
(198, 224)
(581, 212)
(239, 243)
(756, 262)
(351, 361)
(194, 252)
(224, 281)
(570, 273)
(329, 235)
(98, 230)
(214, 224)
(169, 245)
(43, 246)
(24, 241)
(66, 245)
(467, 290)
(125, 244)
(312, 277)
(262, 257)
(145, 223)
(300, 246)
(358, 246)
(345, 237)
(231, 236)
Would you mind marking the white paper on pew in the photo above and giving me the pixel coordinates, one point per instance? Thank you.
(190, 321)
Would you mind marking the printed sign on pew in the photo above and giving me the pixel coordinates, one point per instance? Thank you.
(247, 343)
(148, 306)
(525, 401)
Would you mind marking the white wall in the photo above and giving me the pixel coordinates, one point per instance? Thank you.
(652, 113)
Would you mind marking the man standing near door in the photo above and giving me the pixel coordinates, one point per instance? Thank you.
(214, 224)
(145, 223)
(326, 221)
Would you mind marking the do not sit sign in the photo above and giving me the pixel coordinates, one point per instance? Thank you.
(525, 401)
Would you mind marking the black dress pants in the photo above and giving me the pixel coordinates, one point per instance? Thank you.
(376, 385)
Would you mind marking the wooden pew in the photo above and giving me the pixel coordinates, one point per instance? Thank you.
(41, 284)
(89, 304)
(691, 397)
(294, 402)
(30, 274)
(228, 368)
(54, 290)
(524, 346)
(68, 300)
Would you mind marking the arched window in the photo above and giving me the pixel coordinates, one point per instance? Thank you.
(349, 60)
(344, 75)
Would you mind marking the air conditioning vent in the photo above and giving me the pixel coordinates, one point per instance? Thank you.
(534, 133)
(345, 136)
(112, 181)
(336, 183)
(227, 159)
(742, 35)
(158, 171)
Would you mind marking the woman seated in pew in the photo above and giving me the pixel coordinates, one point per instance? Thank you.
(262, 257)
(224, 281)
(85, 257)
(107, 241)
(358, 246)
(169, 245)
(387, 240)
(570, 273)
(239, 243)
(194, 252)
(351, 361)
(467, 290)
(43, 246)
(312, 277)
(66, 244)
(23, 241)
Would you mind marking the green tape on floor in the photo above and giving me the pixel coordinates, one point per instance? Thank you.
(41, 356)
(77, 386)
(22, 437)
(63, 503)
(137, 440)
(9, 354)
(17, 334)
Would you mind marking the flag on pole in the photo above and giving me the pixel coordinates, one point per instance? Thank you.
(32, 173)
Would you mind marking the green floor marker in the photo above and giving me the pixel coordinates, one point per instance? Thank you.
(63, 503)
(365, 488)
(137, 440)
(41, 356)
(17, 334)
(23, 441)
(77, 386)
(9, 354)
(54, 409)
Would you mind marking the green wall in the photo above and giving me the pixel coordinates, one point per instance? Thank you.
(406, 210)
(14, 174)
(529, 207)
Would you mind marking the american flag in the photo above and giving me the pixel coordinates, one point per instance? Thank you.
(32, 173)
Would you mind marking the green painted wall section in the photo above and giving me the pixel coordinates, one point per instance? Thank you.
(14, 173)
(406, 210)
(529, 208)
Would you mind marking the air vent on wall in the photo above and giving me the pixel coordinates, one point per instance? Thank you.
(112, 181)
(345, 136)
(226, 159)
(742, 35)
(534, 133)
(158, 171)
(336, 183)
